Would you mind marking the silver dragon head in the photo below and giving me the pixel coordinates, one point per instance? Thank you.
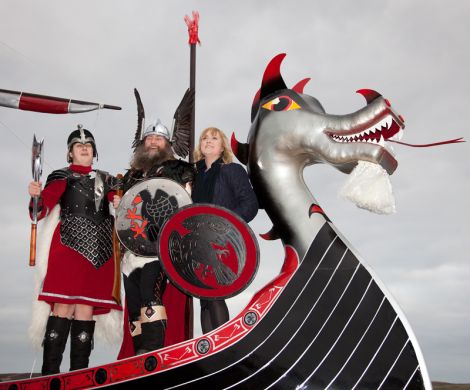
(291, 123)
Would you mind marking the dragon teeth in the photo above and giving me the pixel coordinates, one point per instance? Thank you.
(374, 141)
(384, 123)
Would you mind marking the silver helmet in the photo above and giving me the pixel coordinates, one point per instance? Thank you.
(156, 128)
(81, 136)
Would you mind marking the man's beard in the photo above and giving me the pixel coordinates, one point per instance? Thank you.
(144, 160)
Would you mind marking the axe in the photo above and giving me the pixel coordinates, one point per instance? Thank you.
(36, 164)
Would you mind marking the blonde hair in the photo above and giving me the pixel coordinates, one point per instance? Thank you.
(227, 154)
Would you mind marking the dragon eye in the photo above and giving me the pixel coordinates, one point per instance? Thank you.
(281, 103)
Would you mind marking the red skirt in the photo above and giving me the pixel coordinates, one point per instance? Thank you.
(72, 279)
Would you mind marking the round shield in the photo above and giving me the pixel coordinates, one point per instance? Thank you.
(143, 210)
(208, 251)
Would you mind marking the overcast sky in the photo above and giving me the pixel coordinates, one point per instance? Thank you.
(416, 53)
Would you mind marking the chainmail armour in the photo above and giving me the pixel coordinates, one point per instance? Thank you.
(90, 240)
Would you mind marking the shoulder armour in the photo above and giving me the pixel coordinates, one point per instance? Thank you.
(111, 181)
(59, 174)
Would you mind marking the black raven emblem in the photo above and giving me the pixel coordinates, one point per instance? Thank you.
(157, 210)
(196, 249)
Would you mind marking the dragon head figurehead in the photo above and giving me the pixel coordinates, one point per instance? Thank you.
(297, 125)
(291, 130)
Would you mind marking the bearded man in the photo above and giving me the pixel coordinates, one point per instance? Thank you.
(144, 278)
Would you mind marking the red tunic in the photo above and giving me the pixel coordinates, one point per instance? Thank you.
(70, 277)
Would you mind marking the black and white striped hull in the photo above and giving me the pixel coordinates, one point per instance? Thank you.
(331, 327)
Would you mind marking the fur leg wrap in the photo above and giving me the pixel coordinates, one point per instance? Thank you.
(55, 339)
(81, 336)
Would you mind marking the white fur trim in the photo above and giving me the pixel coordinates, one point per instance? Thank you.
(130, 262)
(108, 326)
(368, 187)
(40, 310)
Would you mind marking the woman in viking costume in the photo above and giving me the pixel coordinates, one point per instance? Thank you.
(80, 273)
(224, 183)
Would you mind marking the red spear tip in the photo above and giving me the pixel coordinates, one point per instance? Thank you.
(193, 28)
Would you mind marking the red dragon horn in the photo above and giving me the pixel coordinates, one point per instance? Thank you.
(272, 79)
(239, 149)
(369, 94)
(255, 105)
(299, 87)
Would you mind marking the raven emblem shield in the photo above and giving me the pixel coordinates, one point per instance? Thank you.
(143, 210)
(208, 251)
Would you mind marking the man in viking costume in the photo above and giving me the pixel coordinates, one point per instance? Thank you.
(144, 279)
(80, 271)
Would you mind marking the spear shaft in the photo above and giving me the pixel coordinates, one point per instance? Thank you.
(193, 30)
(192, 86)
(116, 293)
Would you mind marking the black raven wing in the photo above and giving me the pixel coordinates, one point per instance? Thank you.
(157, 210)
(182, 121)
(178, 252)
(140, 118)
(216, 231)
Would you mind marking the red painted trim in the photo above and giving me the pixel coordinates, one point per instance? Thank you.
(175, 355)
(47, 105)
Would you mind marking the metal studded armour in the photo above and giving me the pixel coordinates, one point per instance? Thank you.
(86, 225)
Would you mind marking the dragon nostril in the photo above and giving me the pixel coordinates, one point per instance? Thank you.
(401, 118)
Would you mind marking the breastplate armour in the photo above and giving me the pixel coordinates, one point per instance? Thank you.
(83, 228)
(78, 199)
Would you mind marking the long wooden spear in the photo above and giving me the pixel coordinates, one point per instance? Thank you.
(116, 294)
(193, 29)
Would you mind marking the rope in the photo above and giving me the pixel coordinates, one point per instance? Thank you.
(450, 141)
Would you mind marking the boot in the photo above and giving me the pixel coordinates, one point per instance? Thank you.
(55, 339)
(136, 333)
(81, 338)
(153, 335)
(153, 324)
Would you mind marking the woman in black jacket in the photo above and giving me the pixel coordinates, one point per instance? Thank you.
(221, 182)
